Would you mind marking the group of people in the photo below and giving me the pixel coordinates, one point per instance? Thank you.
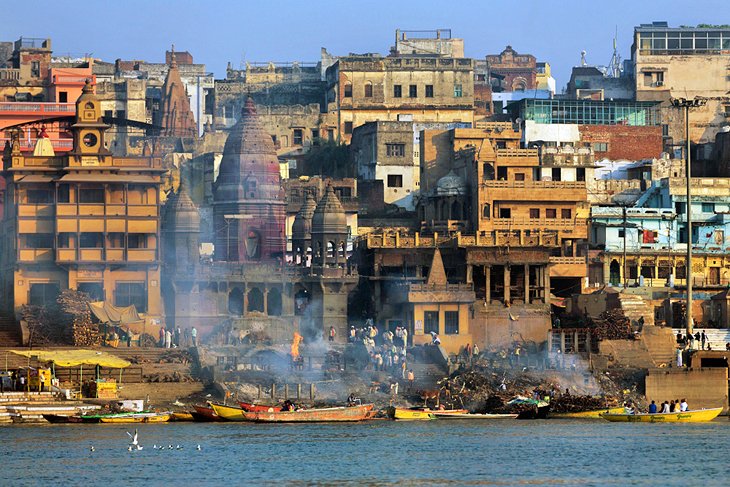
(171, 337)
(669, 406)
(689, 340)
(370, 335)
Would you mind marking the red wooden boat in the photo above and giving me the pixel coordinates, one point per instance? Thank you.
(259, 408)
(321, 415)
(204, 414)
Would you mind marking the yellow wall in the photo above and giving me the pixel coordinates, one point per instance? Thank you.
(450, 343)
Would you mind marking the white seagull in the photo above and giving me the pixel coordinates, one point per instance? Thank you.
(178, 447)
(134, 443)
(129, 448)
(198, 448)
(92, 448)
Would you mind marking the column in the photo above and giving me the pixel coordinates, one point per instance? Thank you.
(527, 283)
(506, 284)
(546, 283)
(488, 284)
(469, 273)
(266, 300)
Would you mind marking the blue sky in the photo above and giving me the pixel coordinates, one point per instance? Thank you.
(255, 30)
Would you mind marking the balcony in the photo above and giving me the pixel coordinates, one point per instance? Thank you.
(62, 79)
(9, 74)
(35, 255)
(69, 255)
(567, 266)
(535, 184)
(518, 157)
(59, 145)
(48, 109)
(539, 223)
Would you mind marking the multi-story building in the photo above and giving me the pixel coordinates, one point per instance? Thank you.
(86, 220)
(428, 43)
(371, 87)
(666, 62)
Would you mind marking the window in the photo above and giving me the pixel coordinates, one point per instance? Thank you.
(429, 91)
(708, 207)
(38, 196)
(395, 181)
(430, 322)
(580, 174)
(397, 91)
(520, 176)
(348, 127)
(451, 325)
(348, 90)
(621, 233)
(457, 91)
(64, 193)
(565, 214)
(600, 147)
(679, 208)
(534, 213)
(122, 114)
(43, 294)
(131, 293)
(91, 195)
(505, 213)
(137, 241)
(95, 290)
(36, 241)
(331, 134)
(395, 150)
(66, 239)
(63, 97)
(502, 173)
(315, 133)
(116, 240)
(413, 91)
(368, 90)
(298, 136)
(486, 211)
(91, 240)
(556, 174)
(501, 144)
(35, 69)
(551, 213)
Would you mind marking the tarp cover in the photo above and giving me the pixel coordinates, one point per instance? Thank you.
(115, 315)
(74, 358)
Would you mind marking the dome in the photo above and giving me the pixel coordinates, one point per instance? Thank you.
(302, 226)
(329, 217)
(450, 185)
(250, 167)
(182, 214)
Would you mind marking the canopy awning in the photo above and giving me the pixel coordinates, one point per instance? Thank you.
(35, 178)
(73, 358)
(108, 178)
(115, 315)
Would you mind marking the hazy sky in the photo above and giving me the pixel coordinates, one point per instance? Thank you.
(252, 30)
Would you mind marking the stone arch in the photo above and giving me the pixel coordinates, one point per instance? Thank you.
(487, 171)
(255, 300)
(615, 273)
(330, 249)
(455, 211)
(273, 302)
(368, 89)
(235, 301)
(487, 211)
(301, 301)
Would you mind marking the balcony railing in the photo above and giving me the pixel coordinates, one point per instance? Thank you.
(535, 223)
(25, 144)
(9, 74)
(38, 108)
(568, 260)
(484, 239)
(535, 184)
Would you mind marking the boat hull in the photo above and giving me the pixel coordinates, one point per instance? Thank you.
(468, 416)
(204, 414)
(323, 415)
(403, 414)
(698, 416)
(138, 418)
(258, 408)
(594, 414)
(182, 417)
(62, 419)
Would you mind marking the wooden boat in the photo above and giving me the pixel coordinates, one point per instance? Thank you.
(412, 414)
(696, 416)
(204, 414)
(137, 418)
(63, 419)
(257, 408)
(319, 415)
(594, 414)
(444, 411)
(184, 416)
(440, 415)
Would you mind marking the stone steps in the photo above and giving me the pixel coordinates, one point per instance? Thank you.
(716, 337)
(10, 334)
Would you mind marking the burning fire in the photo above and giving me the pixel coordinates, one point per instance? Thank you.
(295, 345)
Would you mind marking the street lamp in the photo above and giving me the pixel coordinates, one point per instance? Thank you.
(686, 104)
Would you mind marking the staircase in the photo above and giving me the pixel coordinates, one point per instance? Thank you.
(661, 344)
(10, 335)
(716, 337)
(635, 307)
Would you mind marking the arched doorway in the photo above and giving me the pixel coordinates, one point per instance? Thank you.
(615, 273)
(273, 302)
(255, 300)
(301, 301)
(235, 301)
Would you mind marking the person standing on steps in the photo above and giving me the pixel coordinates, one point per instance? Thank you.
(194, 336)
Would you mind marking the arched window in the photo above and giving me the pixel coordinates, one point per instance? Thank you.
(273, 302)
(455, 211)
(253, 245)
(330, 250)
(486, 211)
(255, 300)
(368, 89)
(235, 302)
(347, 92)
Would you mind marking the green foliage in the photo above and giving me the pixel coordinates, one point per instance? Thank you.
(328, 158)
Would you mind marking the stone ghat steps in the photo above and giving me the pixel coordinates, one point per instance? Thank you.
(660, 343)
(33, 413)
(10, 335)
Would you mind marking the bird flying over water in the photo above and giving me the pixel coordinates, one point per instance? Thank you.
(92, 448)
(133, 438)
(198, 448)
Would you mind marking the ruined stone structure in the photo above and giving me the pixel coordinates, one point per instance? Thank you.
(518, 71)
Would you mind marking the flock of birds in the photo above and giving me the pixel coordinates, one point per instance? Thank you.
(135, 446)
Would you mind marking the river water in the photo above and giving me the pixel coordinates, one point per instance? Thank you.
(500, 452)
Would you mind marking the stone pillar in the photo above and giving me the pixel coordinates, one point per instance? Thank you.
(575, 342)
(527, 283)
(469, 274)
(266, 300)
(506, 284)
(546, 283)
(488, 284)
(562, 342)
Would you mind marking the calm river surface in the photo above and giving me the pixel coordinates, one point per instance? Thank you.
(552, 452)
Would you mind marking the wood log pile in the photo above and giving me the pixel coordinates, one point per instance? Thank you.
(574, 403)
(175, 376)
(613, 325)
(76, 316)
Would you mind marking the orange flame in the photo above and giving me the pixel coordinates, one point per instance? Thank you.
(295, 345)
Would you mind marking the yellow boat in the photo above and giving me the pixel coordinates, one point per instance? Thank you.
(182, 416)
(138, 418)
(229, 413)
(412, 414)
(697, 416)
(594, 414)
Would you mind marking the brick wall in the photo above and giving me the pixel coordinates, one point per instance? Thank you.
(625, 142)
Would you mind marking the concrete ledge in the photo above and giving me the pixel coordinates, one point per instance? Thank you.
(702, 388)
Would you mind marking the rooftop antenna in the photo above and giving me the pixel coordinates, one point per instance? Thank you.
(614, 67)
(583, 58)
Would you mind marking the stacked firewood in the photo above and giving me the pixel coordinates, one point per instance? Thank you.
(573, 403)
(613, 325)
(75, 309)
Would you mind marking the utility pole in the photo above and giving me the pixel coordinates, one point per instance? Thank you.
(686, 105)
(625, 266)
